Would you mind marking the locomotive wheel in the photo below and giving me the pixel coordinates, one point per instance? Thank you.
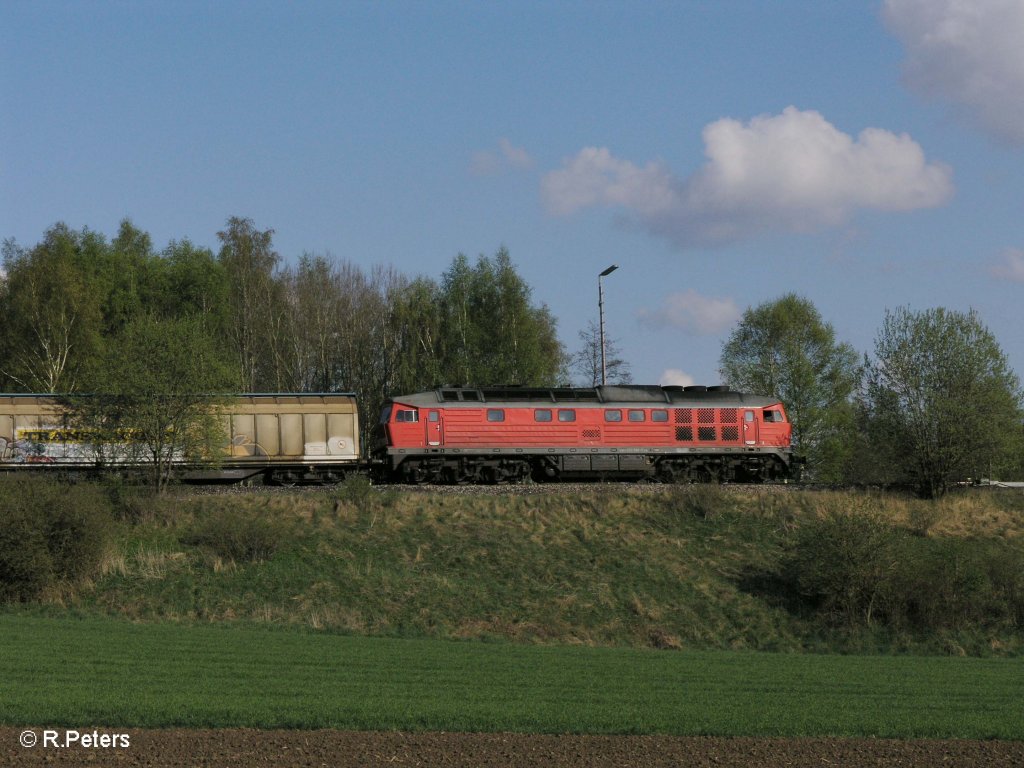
(543, 471)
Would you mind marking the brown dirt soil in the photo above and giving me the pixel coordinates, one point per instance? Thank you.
(234, 747)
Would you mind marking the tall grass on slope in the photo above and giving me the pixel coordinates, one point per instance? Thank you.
(660, 567)
(624, 568)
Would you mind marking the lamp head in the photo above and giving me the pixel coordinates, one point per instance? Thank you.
(608, 271)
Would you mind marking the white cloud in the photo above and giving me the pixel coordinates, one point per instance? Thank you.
(675, 377)
(1010, 266)
(693, 313)
(969, 53)
(793, 172)
(506, 157)
(594, 177)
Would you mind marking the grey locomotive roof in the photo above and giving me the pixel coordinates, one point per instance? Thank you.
(630, 394)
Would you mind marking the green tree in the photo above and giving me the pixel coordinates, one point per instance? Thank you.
(191, 282)
(51, 311)
(491, 331)
(413, 341)
(941, 400)
(783, 348)
(122, 273)
(161, 384)
(249, 258)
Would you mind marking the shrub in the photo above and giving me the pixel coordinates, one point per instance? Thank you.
(50, 533)
(680, 506)
(237, 535)
(952, 584)
(859, 571)
(134, 503)
(843, 565)
(355, 490)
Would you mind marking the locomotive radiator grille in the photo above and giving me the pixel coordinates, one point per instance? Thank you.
(684, 434)
(683, 415)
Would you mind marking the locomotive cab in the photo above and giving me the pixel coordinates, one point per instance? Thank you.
(774, 428)
(403, 426)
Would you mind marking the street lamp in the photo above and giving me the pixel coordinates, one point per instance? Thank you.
(600, 312)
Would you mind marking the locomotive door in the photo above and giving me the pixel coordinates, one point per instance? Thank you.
(435, 433)
(750, 428)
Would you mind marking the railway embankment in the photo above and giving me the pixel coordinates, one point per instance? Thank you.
(674, 568)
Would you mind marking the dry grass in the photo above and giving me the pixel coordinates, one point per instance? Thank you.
(980, 514)
(143, 563)
(662, 567)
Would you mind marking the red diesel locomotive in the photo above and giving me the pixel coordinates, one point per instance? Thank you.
(505, 434)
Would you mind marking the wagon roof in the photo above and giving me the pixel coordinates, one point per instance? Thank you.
(33, 399)
(633, 394)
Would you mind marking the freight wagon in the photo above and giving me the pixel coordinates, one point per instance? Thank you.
(283, 438)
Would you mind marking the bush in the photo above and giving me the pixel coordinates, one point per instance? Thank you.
(859, 571)
(954, 584)
(50, 533)
(355, 489)
(237, 535)
(843, 564)
(134, 503)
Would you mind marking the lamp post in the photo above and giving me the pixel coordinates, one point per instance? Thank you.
(600, 312)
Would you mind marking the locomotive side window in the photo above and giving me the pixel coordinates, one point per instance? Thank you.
(495, 414)
(567, 414)
(542, 414)
(637, 416)
(407, 416)
(613, 415)
(773, 416)
(659, 414)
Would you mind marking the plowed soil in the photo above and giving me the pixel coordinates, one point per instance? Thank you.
(166, 748)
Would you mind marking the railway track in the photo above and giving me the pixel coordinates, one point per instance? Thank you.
(504, 489)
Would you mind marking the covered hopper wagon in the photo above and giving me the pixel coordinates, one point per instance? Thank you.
(283, 438)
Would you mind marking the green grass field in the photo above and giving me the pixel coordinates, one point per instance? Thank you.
(95, 671)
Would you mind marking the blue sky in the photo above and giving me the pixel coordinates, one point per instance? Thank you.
(866, 155)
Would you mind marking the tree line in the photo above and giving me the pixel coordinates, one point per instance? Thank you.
(82, 314)
(935, 403)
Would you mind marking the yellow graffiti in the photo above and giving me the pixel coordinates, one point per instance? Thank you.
(65, 435)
